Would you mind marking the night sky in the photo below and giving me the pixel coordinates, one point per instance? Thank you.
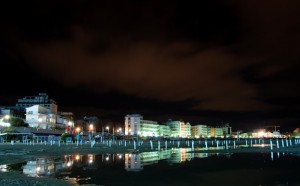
(202, 62)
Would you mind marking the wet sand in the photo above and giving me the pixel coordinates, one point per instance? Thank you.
(18, 153)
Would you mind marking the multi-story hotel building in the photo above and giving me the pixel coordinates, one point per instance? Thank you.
(200, 131)
(40, 117)
(179, 128)
(42, 100)
(136, 125)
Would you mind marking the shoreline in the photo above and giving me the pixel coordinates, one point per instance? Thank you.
(17, 153)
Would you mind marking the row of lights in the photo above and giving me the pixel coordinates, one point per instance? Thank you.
(91, 127)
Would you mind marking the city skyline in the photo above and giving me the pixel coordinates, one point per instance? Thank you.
(209, 62)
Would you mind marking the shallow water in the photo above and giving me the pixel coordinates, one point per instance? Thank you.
(168, 167)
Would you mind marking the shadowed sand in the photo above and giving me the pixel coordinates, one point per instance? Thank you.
(21, 152)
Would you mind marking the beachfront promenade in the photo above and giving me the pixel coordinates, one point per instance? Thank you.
(122, 146)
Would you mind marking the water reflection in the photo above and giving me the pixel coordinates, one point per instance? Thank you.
(45, 166)
(135, 162)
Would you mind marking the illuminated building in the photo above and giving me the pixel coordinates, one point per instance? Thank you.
(179, 128)
(40, 117)
(201, 131)
(42, 100)
(164, 131)
(136, 125)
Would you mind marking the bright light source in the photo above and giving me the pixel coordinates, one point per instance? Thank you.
(91, 126)
(261, 133)
(40, 120)
(69, 164)
(77, 129)
(6, 117)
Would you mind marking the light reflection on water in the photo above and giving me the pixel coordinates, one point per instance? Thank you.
(102, 168)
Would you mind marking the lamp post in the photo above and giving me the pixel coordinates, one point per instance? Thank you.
(78, 134)
(91, 130)
(107, 128)
(113, 134)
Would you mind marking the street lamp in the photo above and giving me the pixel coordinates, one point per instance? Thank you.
(91, 129)
(107, 128)
(77, 134)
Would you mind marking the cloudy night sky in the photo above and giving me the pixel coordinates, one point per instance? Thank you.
(202, 62)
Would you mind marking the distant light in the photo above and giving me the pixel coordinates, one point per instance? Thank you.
(91, 126)
(261, 133)
(6, 117)
(69, 164)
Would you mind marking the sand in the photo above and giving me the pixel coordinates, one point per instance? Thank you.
(17, 153)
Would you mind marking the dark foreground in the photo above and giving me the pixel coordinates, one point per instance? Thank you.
(16, 153)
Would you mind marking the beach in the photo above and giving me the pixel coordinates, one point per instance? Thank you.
(17, 153)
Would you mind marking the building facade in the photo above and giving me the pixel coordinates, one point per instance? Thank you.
(42, 99)
(17, 112)
(135, 125)
(132, 124)
(65, 119)
(40, 117)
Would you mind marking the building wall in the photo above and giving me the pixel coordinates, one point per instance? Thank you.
(132, 124)
(175, 127)
(42, 99)
(218, 132)
(148, 128)
(201, 131)
(164, 131)
(40, 117)
(65, 119)
(17, 112)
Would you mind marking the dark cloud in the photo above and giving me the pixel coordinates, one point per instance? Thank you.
(232, 56)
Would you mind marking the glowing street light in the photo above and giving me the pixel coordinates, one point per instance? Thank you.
(261, 133)
(91, 127)
(6, 117)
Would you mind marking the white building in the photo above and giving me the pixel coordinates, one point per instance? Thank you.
(179, 128)
(200, 131)
(40, 117)
(132, 124)
(218, 132)
(136, 125)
